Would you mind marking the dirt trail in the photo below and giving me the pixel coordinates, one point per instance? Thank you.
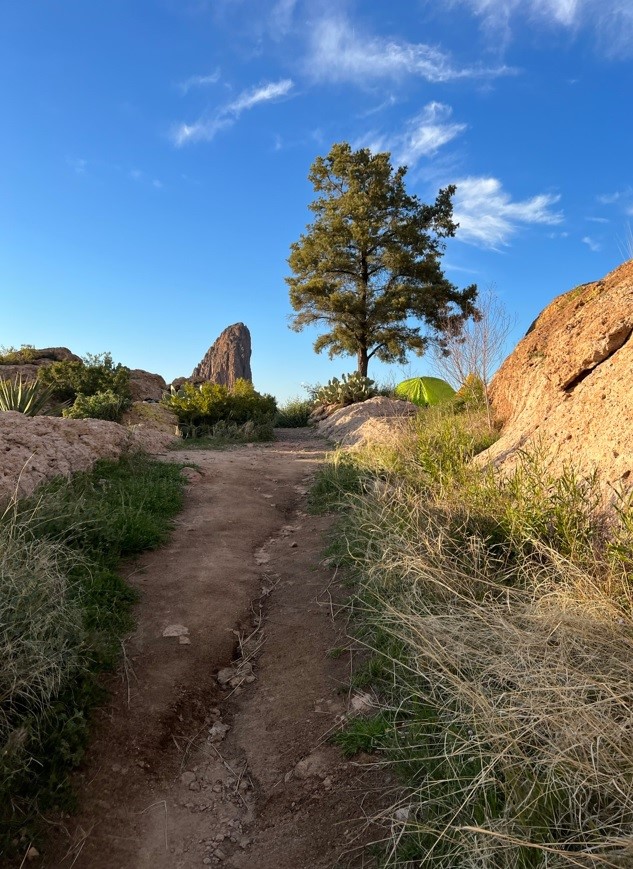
(213, 749)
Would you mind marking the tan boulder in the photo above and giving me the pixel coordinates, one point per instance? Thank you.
(36, 449)
(372, 421)
(37, 358)
(568, 385)
(145, 386)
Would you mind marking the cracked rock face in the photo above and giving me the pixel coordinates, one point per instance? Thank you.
(228, 359)
(569, 383)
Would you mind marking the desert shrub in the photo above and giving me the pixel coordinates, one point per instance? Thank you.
(223, 434)
(497, 612)
(31, 398)
(471, 394)
(63, 609)
(96, 373)
(211, 403)
(350, 389)
(294, 413)
(102, 405)
(13, 356)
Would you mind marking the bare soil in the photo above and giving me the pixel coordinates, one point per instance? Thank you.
(213, 748)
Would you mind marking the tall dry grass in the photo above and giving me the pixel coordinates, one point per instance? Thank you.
(501, 618)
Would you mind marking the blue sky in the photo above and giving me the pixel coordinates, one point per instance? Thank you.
(155, 156)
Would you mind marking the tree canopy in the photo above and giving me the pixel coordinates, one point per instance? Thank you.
(368, 267)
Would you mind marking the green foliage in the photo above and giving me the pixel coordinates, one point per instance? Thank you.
(471, 394)
(96, 373)
(351, 389)
(30, 398)
(369, 263)
(13, 356)
(363, 734)
(211, 403)
(63, 609)
(223, 434)
(102, 405)
(339, 476)
(295, 413)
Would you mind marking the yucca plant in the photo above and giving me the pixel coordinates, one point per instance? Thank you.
(31, 397)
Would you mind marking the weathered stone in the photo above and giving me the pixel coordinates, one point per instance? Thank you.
(145, 386)
(228, 359)
(29, 370)
(568, 385)
(36, 449)
(374, 420)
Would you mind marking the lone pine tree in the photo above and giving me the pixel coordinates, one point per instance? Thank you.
(368, 267)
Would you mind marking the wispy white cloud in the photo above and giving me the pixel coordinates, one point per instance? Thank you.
(488, 217)
(423, 135)
(199, 81)
(598, 219)
(610, 20)
(281, 18)
(593, 245)
(338, 51)
(207, 127)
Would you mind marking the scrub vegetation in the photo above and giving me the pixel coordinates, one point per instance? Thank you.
(495, 617)
(64, 608)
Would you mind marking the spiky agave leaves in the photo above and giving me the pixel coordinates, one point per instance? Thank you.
(29, 397)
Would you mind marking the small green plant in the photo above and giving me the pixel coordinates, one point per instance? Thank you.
(363, 734)
(96, 373)
(31, 398)
(102, 405)
(351, 389)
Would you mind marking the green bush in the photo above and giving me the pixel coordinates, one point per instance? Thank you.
(101, 405)
(13, 356)
(96, 373)
(211, 403)
(295, 413)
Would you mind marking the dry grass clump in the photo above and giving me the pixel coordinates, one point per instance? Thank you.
(501, 619)
(40, 634)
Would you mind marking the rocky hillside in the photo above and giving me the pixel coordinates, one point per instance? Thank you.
(569, 383)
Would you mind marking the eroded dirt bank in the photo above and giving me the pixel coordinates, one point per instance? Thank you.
(213, 750)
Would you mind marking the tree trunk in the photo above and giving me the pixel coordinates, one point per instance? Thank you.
(363, 361)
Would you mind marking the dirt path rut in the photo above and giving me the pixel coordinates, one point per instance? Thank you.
(213, 749)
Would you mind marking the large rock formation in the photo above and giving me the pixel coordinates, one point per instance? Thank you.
(568, 386)
(229, 359)
(36, 449)
(36, 359)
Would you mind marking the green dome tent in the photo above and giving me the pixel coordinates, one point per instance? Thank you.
(425, 391)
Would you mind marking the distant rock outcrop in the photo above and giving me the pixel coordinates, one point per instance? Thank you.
(568, 385)
(229, 359)
(36, 359)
